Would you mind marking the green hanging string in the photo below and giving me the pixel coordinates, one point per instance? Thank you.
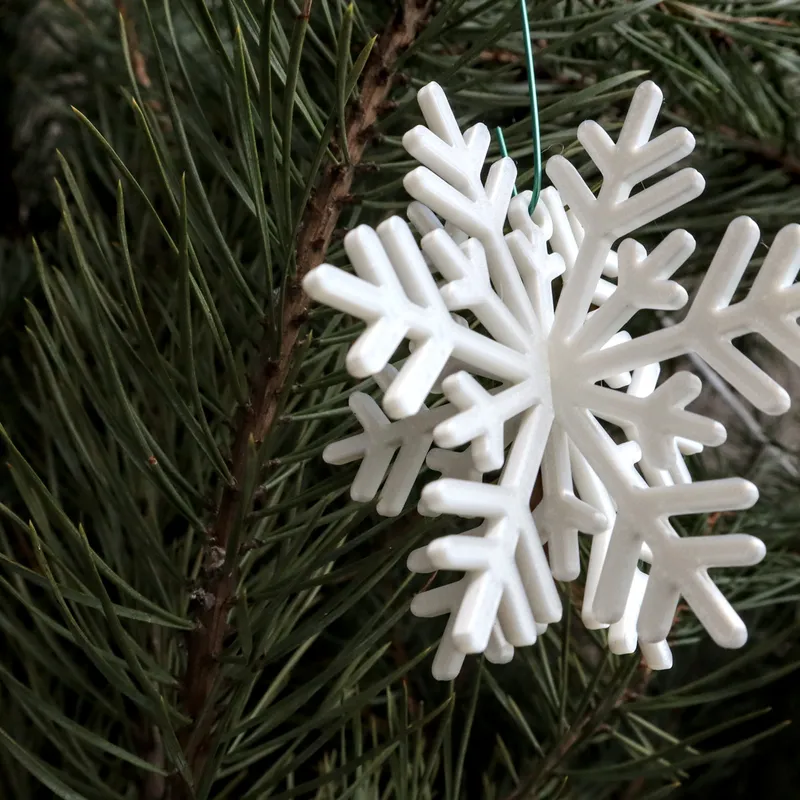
(504, 150)
(537, 144)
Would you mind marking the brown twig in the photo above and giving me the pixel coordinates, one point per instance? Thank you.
(255, 421)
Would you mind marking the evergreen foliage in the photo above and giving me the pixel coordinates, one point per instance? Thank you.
(190, 604)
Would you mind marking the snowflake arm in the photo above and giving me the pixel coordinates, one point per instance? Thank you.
(492, 585)
(560, 515)
(551, 223)
(517, 585)
(678, 568)
(657, 421)
(450, 464)
(643, 383)
(449, 183)
(398, 298)
(642, 283)
(613, 213)
(468, 286)
(528, 245)
(381, 439)
(483, 416)
(770, 308)
(696, 555)
(623, 635)
(449, 599)
(657, 655)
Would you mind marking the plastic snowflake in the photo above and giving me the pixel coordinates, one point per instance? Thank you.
(476, 302)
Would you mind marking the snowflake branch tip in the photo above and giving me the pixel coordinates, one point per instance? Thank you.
(394, 292)
(482, 417)
(438, 115)
(657, 656)
(713, 610)
(641, 117)
(616, 218)
(410, 439)
(656, 422)
(491, 588)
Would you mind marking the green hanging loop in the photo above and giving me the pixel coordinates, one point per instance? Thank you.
(534, 104)
(537, 143)
(504, 151)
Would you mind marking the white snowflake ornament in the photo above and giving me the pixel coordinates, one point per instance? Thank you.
(529, 384)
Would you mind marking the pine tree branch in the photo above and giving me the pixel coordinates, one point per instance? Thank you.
(634, 685)
(528, 788)
(255, 421)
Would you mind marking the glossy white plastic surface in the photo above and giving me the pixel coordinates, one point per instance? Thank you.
(529, 386)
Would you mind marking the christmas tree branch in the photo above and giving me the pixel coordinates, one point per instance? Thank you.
(621, 688)
(256, 419)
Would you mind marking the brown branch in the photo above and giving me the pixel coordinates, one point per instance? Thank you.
(255, 421)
